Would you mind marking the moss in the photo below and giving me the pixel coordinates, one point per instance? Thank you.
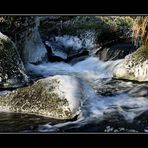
(79, 28)
(17, 28)
(103, 24)
(37, 99)
(79, 24)
(140, 55)
(134, 66)
(11, 66)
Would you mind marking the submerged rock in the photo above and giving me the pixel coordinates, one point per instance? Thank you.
(12, 73)
(57, 97)
(134, 66)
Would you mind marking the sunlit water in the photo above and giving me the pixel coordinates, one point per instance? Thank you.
(103, 95)
(105, 98)
(110, 105)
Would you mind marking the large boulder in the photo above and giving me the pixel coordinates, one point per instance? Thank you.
(83, 33)
(12, 73)
(134, 66)
(23, 31)
(58, 97)
(90, 29)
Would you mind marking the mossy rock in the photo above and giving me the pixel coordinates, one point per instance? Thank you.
(12, 73)
(23, 31)
(107, 28)
(17, 28)
(134, 66)
(58, 97)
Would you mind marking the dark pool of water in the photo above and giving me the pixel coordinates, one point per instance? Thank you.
(26, 123)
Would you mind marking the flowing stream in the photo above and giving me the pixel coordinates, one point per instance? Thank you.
(110, 105)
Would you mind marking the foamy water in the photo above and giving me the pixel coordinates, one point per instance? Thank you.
(89, 69)
(95, 107)
(126, 98)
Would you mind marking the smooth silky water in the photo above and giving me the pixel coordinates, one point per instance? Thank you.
(109, 105)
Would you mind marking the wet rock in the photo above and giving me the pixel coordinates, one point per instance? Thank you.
(76, 25)
(23, 31)
(139, 91)
(134, 66)
(34, 50)
(12, 72)
(57, 52)
(58, 97)
(80, 58)
(142, 121)
(112, 87)
(114, 52)
(93, 31)
(142, 118)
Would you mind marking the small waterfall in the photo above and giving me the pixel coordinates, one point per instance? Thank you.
(102, 95)
(96, 107)
(89, 69)
(86, 40)
(66, 46)
(34, 50)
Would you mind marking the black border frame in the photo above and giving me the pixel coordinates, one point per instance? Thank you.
(72, 8)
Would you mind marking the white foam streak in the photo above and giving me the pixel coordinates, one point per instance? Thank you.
(95, 106)
(90, 69)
